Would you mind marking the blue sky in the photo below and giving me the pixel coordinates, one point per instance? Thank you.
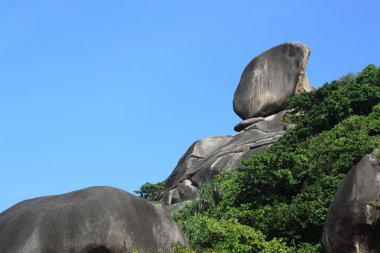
(114, 92)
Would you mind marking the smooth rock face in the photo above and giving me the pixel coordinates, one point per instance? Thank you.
(96, 219)
(208, 157)
(270, 79)
(352, 225)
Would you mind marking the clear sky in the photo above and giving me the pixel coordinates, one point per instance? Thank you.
(114, 92)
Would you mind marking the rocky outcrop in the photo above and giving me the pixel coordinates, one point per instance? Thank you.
(208, 157)
(110, 220)
(270, 79)
(353, 220)
(96, 219)
(260, 99)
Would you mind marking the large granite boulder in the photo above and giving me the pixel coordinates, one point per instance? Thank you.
(209, 156)
(96, 219)
(353, 220)
(270, 79)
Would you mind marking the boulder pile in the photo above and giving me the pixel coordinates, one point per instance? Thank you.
(260, 99)
(208, 157)
(110, 220)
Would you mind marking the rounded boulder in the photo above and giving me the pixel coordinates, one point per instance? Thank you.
(96, 219)
(270, 79)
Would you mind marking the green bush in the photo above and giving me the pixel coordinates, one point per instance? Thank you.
(209, 234)
(151, 192)
(323, 109)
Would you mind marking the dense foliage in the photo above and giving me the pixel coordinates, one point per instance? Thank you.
(150, 191)
(278, 200)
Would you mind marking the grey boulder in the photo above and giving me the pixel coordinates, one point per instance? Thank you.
(270, 79)
(96, 219)
(352, 223)
(208, 157)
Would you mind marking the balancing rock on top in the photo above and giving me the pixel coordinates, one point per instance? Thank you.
(270, 79)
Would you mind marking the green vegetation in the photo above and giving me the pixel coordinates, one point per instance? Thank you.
(278, 200)
(150, 191)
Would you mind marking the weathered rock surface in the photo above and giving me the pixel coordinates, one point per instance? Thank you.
(260, 100)
(246, 123)
(96, 219)
(270, 79)
(352, 224)
(208, 157)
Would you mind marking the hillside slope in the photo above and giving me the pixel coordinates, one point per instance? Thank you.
(277, 201)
